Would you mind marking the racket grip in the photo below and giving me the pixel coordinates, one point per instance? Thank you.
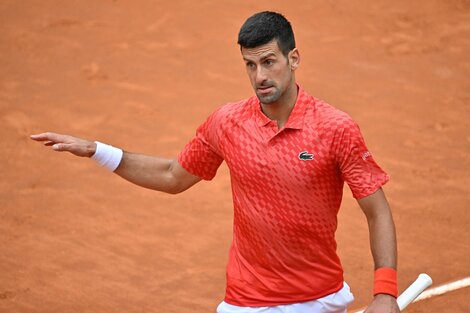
(414, 290)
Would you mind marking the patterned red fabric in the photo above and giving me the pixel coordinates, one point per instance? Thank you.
(287, 188)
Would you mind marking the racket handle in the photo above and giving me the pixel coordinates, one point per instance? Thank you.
(414, 290)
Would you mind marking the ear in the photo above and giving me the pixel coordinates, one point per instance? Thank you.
(294, 59)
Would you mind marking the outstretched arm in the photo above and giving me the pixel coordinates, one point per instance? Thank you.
(151, 172)
(383, 245)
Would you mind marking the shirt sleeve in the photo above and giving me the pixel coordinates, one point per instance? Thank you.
(358, 168)
(201, 156)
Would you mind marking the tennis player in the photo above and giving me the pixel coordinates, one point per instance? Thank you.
(289, 155)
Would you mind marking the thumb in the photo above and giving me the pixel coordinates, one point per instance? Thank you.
(61, 147)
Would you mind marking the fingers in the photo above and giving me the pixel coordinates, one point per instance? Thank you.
(39, 137)
(57, 141)
(77, 146)
(48, 136)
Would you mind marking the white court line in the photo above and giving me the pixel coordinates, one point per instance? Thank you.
(439, 290)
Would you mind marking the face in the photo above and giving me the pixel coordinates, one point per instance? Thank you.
(271, 73)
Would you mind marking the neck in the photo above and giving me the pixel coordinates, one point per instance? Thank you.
(281, 109)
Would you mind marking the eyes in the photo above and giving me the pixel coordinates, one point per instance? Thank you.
(266, 63)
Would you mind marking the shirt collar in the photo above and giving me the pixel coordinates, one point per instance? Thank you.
(296, 117)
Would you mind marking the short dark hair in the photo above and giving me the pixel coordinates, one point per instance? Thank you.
(263, 27)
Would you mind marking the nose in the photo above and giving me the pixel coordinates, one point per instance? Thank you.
(260, 76)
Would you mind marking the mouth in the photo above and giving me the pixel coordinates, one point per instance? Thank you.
(264, 89)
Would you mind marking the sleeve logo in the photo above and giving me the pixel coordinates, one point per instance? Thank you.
(305, 156)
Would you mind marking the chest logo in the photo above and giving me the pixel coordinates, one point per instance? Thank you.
(305, 156)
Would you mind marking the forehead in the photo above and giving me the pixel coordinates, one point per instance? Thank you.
(261, 51)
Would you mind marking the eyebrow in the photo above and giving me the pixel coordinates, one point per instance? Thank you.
(270, 54)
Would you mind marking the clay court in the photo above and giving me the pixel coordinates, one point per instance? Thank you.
(142, 75)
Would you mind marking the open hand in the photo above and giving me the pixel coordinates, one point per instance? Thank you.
(77, 146)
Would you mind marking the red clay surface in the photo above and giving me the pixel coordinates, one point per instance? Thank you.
(75, 238)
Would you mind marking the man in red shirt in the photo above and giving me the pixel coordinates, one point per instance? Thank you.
(289, 155)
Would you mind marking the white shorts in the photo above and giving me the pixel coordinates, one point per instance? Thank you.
(334, 303)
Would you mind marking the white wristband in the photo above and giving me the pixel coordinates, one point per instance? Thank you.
(107, 156)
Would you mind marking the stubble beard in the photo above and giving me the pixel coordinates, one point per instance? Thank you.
(271, 98)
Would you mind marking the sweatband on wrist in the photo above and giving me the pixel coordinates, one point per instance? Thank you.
(107, 156)
(385, 281)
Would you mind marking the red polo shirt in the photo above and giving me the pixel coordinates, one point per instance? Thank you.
(287, 187)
